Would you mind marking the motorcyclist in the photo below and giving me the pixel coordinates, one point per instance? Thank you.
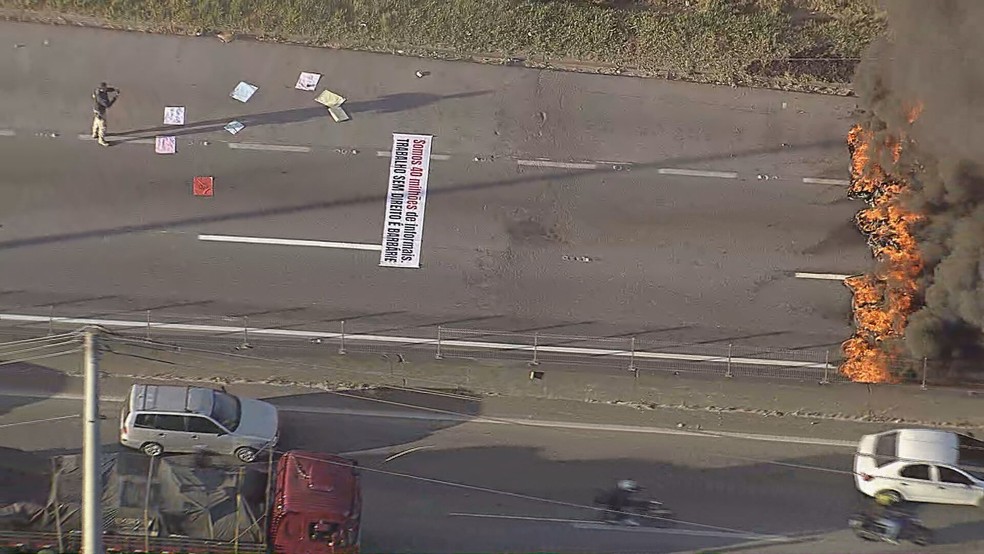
(622, 498)
(895, 514)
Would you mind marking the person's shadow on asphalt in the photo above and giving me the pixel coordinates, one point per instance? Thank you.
(391, 103)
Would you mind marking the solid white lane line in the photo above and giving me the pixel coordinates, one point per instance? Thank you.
(7, 133)
(137, 324)
(698, 173)
(113, 140)
(821, 276)
(560, 165)
(59, 418)
(386, 154)
(522, 518)
(818, 181)
(595, 525)
(269, 147)
(291, 242)
(405, 452)
(667, 531)
(423, 415)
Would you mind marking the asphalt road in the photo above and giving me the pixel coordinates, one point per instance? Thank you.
(680, 258)
(433, 484)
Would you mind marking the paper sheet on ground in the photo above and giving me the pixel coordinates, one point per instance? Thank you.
(165, 145)
(243, 91)
(174, 115)
(234, 127)
(330, 99)
(338, 114)
(307, 81)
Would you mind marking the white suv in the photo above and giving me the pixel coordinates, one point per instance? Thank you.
(164, 418)
(921, 465)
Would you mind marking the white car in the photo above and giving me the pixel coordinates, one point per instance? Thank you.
(921, 465)
(170, 418)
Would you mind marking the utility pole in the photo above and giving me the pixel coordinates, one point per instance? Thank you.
(92, 521)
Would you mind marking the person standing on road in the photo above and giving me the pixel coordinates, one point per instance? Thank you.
(103, 98)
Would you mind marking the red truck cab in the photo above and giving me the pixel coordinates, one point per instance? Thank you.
(317, 506)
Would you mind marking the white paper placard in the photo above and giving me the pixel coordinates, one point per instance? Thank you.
(234, 127)
(165, 145)
(307, 81)
(174, 115)
(403, 221)
(243, 91)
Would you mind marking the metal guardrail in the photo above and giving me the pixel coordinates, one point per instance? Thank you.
(629, 353)
(635, 355)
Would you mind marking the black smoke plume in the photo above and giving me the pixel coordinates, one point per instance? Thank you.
(933, 54)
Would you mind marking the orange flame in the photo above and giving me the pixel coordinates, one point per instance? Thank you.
(913, 112)
(881, 301)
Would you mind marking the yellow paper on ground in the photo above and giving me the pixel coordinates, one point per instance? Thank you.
(330, 99)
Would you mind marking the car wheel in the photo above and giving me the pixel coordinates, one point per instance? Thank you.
(894, 496)
(152, 449)
(245, 454)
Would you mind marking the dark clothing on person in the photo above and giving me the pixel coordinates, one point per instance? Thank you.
(102, 99)
(897, 516)
(619, 499)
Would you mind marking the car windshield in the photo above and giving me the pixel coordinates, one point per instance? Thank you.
(226, 410)
(971, 451)
(886, 449)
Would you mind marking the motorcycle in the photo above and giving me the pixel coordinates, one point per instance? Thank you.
(872, 528)
(649, 511)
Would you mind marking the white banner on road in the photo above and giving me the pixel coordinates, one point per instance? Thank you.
(403, 227)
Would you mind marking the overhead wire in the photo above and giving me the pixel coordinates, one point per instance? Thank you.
(209, 354)
(539, 499)
(41, 357)
(35, 340)
(8, 353)
(485, 489)
(205, 353)
(472, 417)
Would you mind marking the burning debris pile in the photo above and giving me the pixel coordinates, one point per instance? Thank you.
(883, 300)
(920, 171)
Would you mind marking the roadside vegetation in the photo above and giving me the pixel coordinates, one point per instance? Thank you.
(798, 44)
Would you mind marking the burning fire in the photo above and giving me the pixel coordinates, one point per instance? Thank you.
(882, 301)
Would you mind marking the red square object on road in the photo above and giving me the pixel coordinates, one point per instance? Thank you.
(202, 186)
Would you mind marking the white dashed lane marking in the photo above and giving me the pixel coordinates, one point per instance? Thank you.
(698, 173)
(819, 181)
(821, 276)
(268, 147)
(7, 133)
(386, 154)
(290, 242)
(560, 165)
(113, 140)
